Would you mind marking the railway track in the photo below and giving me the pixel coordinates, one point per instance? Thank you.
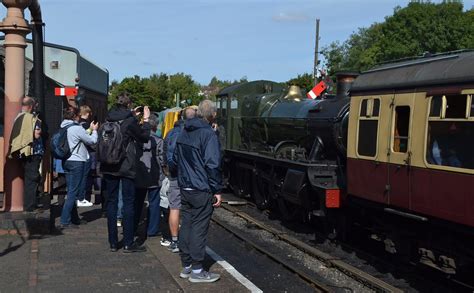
(320, 285)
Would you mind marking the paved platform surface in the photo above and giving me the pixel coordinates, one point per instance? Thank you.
(79, 261)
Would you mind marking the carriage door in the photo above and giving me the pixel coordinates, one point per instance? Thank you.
(399, 151)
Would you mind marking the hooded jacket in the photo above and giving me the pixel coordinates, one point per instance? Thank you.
(197, 157)
(78, 139)
(170, 146)
(132, 134)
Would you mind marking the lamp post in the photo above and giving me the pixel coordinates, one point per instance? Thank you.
(15, 28)
(316, 52)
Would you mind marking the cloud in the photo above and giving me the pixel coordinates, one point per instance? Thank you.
(124, 53)
(290, 17)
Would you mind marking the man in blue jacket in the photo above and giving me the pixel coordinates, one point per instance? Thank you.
(197, 157)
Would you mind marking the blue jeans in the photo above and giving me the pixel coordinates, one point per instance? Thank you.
(85, 175)
(128, 195)
(74, 177)
(153, 211)
(120, 203)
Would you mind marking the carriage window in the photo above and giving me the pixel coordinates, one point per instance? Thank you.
(368, 127)
(401, 129)
(363, 108)
(367, 138)
(436, 104)
(472, 106)
(376, 110)
(456, 106)
(450, 139)
(450, 143)
(370, 107)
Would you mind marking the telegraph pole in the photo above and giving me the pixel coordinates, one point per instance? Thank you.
(316, 53)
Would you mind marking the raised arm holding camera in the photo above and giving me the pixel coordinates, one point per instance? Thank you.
(117, 152)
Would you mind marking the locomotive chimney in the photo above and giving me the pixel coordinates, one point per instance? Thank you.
(344, 81)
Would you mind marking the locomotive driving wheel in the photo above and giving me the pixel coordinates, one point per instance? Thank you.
(288, 210)
(260, 192)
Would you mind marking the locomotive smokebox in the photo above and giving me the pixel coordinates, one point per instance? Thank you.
(344, 81)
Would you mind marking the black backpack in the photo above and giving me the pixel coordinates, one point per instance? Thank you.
(60, 145)
(110, 145)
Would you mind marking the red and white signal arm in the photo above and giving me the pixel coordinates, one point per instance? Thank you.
(65, 91)
(317, 90)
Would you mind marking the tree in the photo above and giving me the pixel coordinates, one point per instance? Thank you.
(158, 90)
(216, 85)
(185, 86)
(133, 85)
(305, 81)
(420, 27)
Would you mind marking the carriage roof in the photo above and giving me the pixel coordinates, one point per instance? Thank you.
(438, 70)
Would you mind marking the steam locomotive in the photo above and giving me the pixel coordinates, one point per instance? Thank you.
(392, 151)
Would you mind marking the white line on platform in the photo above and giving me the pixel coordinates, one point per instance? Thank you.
(231, 270)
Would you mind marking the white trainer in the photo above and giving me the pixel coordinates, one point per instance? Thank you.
(165, 242)
(84, 203)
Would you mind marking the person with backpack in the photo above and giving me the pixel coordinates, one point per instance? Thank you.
(74, 162)
(147, 181)
(26, 144)
(117, 153)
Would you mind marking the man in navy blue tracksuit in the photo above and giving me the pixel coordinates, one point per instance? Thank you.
(197, 158)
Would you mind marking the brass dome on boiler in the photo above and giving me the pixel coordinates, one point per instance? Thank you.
(294, 93)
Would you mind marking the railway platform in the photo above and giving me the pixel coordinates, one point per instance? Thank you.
(78, 260)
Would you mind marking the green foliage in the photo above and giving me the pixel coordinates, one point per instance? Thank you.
(215, 85)
(420, 27)
(305, 81)
(158, 90)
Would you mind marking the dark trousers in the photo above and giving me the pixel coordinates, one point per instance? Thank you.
(74, 171)
(196, 212)
(85, 175)
(94, 181)
(31, 166)
(153, 217)
(140, 194)
(128, 194)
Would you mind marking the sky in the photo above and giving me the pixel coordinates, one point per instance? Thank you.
(259, 39)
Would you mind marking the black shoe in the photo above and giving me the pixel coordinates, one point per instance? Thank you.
(67, 227)
(113, 248)
(134, 248)
(80, 222)
(33, 211)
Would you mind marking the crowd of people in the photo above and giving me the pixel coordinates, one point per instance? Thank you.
(127, 164)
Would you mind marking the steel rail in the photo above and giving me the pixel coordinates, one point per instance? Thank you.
(318, 285)
(330, 261)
